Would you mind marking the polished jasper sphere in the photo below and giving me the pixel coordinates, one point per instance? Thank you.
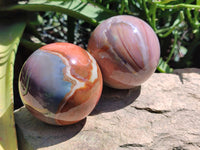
(126, 49)
(60, 83)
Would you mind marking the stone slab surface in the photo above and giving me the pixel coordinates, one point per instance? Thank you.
(162, 114)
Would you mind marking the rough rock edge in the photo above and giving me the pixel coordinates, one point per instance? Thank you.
(174, 125)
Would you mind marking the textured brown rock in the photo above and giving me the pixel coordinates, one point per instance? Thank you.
(162, 114)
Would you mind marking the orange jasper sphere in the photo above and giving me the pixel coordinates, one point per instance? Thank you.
(60, 83)
(126, 49)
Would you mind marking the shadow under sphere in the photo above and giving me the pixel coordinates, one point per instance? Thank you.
(115, 99)
(43, 131)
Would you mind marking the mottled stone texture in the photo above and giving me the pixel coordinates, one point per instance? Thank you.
(60, 83)
(162, 114)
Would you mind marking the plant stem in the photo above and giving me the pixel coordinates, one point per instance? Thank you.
(122, 7)
(146, 11)
(154, 17)
(178, 6)
(193, 21)
(171, 28)
(173, 48)
(169, 31)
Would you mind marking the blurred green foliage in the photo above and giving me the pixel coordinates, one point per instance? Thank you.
(177, 24)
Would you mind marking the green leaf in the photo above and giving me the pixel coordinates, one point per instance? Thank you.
(10, 33)
(164, 67)
(31, 45)
(74, 8)
(198, 2)
(179, 52)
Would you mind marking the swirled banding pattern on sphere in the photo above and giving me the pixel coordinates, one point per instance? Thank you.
(126, 49)
(60, 83)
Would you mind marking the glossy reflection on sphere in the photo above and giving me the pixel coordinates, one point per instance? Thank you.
(60, 83)
(126, 49)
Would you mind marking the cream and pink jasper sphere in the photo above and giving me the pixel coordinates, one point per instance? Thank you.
(126, 49)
